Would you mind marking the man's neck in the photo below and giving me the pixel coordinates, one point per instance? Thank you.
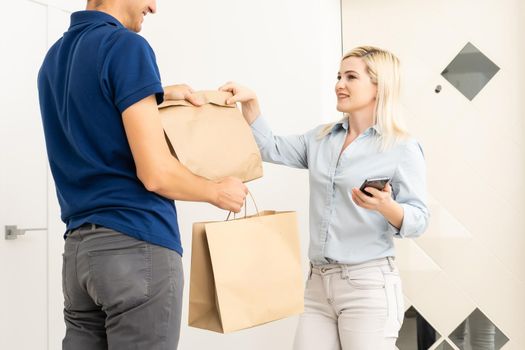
(95, 5)
(104, 6)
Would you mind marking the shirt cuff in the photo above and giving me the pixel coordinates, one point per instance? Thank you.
(261, 131)
(414, 223)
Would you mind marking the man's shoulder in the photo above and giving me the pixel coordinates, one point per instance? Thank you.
(123, 39)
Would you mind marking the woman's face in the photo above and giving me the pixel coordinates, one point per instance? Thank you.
(354, 89)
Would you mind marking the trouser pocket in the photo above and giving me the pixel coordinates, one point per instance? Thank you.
(395, 304)
(369, 278)
(121, 277)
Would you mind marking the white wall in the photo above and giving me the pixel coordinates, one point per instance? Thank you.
(288, 52)
(472, 254)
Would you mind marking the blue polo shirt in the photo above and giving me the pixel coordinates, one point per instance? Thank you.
(88, 78)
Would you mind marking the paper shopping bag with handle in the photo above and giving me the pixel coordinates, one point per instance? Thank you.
(213, 140)
(245, 272)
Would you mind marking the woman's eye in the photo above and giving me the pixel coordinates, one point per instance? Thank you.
(338, 77)
(350, 77)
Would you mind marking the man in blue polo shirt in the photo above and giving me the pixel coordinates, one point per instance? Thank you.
(116, 180)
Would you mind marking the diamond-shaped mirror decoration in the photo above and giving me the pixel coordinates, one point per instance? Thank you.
(478, 332)
(444, 346)
(416, 333)
(470, 71)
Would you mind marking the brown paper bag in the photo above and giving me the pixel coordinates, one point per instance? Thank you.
(245, 272)
(213, 140)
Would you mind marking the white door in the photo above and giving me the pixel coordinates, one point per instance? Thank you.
(30, 278)
(23, 184)
(469, 264)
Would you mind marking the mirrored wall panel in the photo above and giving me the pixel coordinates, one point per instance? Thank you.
(444, 346)
(477, 332)
(470, 71)
(416, 333)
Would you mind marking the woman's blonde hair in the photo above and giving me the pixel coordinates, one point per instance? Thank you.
(383, 68)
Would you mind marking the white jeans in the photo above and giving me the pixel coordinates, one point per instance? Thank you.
(351, 307)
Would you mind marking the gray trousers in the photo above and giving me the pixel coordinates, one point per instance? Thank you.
(120, 293)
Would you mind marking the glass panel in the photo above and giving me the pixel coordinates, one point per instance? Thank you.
(444, 346)
(470, 71)
(416, 333)
(477, 332)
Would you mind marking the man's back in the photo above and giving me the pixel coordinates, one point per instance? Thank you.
(89, 77)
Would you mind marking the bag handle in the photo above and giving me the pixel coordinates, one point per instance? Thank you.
(245, 209)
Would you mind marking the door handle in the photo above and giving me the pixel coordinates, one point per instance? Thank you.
(12, 231)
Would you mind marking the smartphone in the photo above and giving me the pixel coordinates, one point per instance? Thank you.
(378, 182)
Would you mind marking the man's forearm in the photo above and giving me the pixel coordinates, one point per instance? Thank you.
(173, 180)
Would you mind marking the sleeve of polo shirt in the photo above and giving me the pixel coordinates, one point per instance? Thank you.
(130, 71)
(409, 187)
(285, 150)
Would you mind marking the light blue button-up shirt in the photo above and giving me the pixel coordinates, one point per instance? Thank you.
(339, 229)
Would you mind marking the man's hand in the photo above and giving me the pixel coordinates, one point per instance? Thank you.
(230, 195)
(182, 92)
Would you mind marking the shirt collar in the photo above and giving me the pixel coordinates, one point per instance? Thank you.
(90, 16)
(343, 123)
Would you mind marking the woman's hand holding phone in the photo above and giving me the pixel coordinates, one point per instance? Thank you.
(380, 198)
(381, 201)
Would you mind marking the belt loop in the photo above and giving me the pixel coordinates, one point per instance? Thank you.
(344, 272)
(391, 263)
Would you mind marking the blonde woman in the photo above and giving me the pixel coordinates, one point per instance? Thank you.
(353, 296)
